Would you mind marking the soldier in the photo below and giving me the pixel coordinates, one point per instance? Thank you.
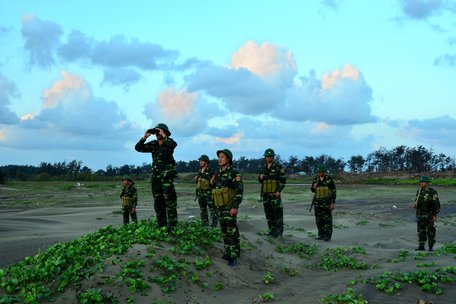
(227, 194)
(129, 197)
(272, 179)
(204, 191)
(324, 200)
(163, 174)
(427, 207)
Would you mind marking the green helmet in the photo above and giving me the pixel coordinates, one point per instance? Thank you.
(321, 169)
(204, 157)
(227, 153)
(269, 152)
(425, 179)
(161, 126)
(127, 178)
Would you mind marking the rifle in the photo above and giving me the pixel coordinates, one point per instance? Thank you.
(313, 198)
(313, 202)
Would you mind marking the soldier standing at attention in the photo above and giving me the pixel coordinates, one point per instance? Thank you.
(163, 174)
(427, 207)
(204, 191)
(272, 179)
(129, 197)
(324, 200)
(227, 193)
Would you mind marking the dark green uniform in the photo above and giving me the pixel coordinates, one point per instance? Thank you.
(324, 196)
(129, 197)
(427, 206)
(227, 194)
(162, 179)
(204, 196)
(273, 181)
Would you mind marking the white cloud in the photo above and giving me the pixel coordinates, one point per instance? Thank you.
(8, 90)
(41, 38)
(60, 89)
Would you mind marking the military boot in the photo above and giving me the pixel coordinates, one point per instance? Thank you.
(420, 248)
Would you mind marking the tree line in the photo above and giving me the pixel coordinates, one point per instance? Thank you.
(400, 159)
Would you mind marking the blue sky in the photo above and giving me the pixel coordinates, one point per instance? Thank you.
(84, 80)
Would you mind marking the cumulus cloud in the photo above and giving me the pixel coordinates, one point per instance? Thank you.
(239, 90)
(421, 9)
(445, 60)
(340, 97)
(267, 61)
(183, 111)
(41, 38)
(8, 90)
(77, 47)
(62, 88)
(124, 77)
(72, 118)
(437, 131)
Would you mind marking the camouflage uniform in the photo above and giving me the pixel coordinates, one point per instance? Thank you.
(273, 181)
(162, 178)
(129, 197)
(227, 194)
(427, 206)
(204, 195)
(324, 196)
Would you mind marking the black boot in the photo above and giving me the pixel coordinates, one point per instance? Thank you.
(420, 248)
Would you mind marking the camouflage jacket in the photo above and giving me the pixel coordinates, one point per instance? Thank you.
(427, 201)
(230, 178)
(328, 184)
(163, 163)
(206, 176)
(274, 173)
(129, 195)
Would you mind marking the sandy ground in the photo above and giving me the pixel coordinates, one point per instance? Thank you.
(388, 229)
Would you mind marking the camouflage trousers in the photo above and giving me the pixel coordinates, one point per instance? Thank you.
(205, 202)
(230, 231)
(273, 210)
(323, 219)
(126, 211)
(426, 230)
(165, 201)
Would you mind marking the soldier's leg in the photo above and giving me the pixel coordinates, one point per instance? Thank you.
(212, 210)
(269, 213)
(431, 232)
(327, 224)
(170, 198)
(278, 217)
(231, 235)
(134, 216)
(202, 202)
(319, 213)
(126, 215)
(421, 227)
(159, 203)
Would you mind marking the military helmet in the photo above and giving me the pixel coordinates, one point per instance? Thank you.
(269, 152)
(321, 169)
(127, 178)
(425, 179)
(204, 157)
(163, 127)
(227, 153)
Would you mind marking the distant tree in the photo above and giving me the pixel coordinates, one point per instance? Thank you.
(2, 177)
(356, 164)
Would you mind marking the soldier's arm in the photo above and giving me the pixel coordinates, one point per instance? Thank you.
(141, 145)
(135, 197)
(436, 205)
(282, 178)
(332, 187)
(238, 190)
